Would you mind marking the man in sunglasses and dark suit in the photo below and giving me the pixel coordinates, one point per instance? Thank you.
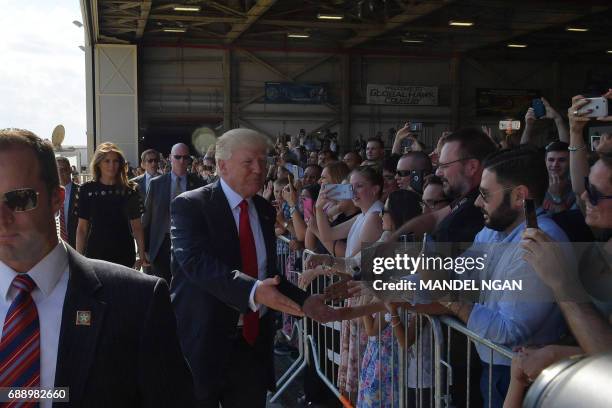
(156, 219)
(103, 331)
(68, 219)
(149, 161)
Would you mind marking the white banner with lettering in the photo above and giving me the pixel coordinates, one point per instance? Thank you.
(402, 95)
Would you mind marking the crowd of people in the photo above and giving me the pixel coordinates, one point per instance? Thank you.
(207, 229)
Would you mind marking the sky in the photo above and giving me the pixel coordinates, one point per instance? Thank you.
(42, 70)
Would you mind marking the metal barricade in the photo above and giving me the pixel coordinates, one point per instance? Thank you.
(293, 328)
(453, 324)
(421, 372)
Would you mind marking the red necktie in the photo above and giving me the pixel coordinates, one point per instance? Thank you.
(248, 254)
(63, 230)
(20, 343)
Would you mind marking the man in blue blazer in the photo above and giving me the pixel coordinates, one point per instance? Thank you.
(156, 218)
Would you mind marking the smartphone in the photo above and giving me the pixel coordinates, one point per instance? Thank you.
(509, 124)
(296, 170)
(538, 108)
(596, 108)
(417, 179)
(338, 192)
(531, 220)
(416, 127)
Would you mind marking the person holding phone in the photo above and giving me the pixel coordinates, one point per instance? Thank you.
(549, 113)
(583, 292)
(367, 183)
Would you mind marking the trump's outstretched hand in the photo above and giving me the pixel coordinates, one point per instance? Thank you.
(268, 294)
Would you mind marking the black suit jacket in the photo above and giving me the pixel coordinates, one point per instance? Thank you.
(129, 356)
(156, 219)
(209, 291)
(73, 218)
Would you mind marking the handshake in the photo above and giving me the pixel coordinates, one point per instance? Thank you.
(279, 294)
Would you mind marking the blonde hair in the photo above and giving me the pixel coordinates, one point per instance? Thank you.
(230, 140)
(99, 155)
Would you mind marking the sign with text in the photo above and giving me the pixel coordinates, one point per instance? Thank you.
(402, 95)
(291, 92)
(504, 103)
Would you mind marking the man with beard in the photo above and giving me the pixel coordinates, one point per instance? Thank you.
(504, 317)
(460, 168)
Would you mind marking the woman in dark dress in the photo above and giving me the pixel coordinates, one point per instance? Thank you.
(109, 210)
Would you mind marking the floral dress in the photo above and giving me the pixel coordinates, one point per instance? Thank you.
(379, 376)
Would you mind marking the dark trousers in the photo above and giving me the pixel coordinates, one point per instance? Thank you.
(246, 377)
(459, 362)
(160, 266)
(500, 382)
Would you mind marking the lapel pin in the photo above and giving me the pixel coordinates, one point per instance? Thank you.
(83, 318)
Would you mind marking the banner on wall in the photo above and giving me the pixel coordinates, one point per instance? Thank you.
(402, 95)
(291, 92)
(504, 102)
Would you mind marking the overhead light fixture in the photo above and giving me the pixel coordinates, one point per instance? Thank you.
(412, 41)
(517, 45)
(609, 51)
(323, 16)
(174, 30)
(298, 35)
(187, 8)
(457, 23)
(577, 29)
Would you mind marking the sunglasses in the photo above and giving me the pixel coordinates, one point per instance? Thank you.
(181, 157)
(486, 195)
(21, 200)
(415, 174)
(152, 160)
(594, 194)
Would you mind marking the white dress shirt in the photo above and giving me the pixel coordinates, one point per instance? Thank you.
(148, 178)
(234, 199)
(51, 278)
(68, 188)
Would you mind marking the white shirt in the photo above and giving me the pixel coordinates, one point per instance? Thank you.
(234, 199)
(51, 278)
(68, 188)
(148, 178)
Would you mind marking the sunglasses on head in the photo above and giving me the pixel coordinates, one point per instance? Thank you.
(21, 200)
(594, 194)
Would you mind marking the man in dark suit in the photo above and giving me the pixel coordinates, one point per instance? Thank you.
(68, 217)
(156, 219)
(149, 161)
(106, 332)
(225, 278)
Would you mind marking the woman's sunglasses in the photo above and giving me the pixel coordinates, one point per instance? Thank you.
(21, 200)
(594, 194)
